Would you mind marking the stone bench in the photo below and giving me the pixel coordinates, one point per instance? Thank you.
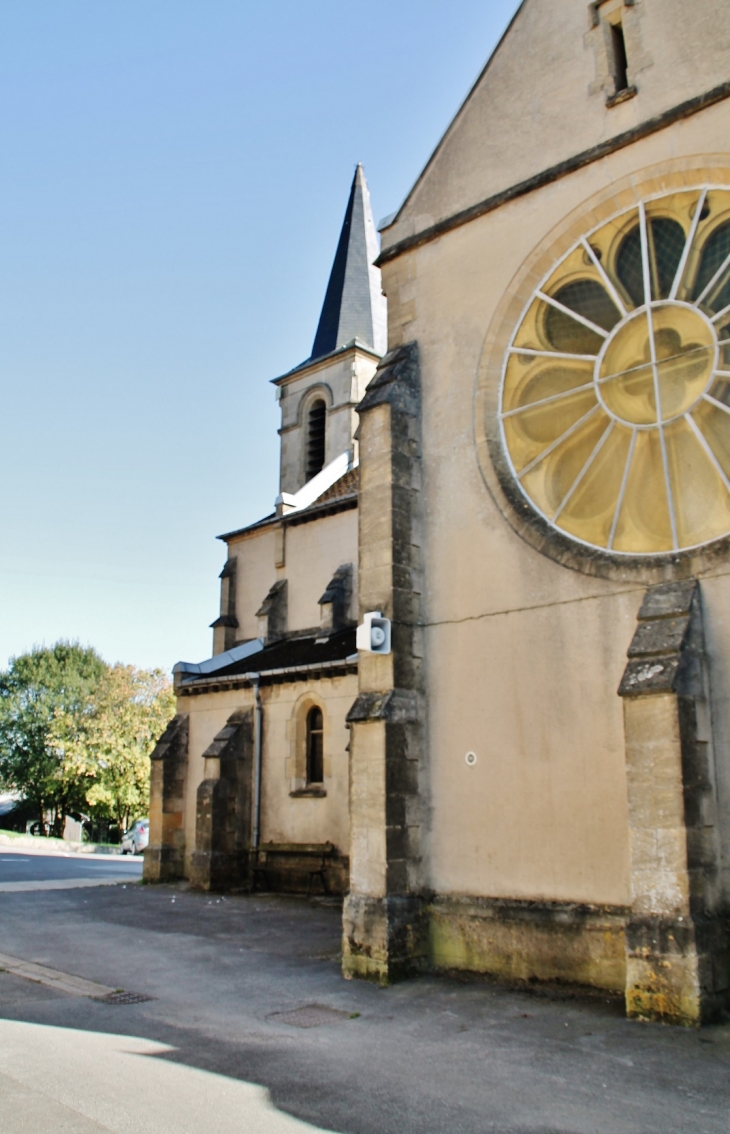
(293, 867)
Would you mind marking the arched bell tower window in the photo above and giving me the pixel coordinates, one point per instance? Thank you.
(315, 747)
(315, 437)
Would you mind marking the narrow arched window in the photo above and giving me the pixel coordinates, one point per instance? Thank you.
(315, 755)
(315, 437)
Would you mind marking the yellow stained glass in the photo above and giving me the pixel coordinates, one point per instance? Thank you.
(531, 380)
(610, 387)
(701, 503)
(644, 523)
(551, 479)
(713, 422)
(534, 430)
(589, 513)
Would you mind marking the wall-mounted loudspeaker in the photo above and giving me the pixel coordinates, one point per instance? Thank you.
(373, 636)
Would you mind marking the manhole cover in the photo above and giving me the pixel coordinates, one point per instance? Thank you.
(310, 1016)
(123, 998)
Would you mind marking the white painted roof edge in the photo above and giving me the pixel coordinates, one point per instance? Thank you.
(319, 484)
(210, 665)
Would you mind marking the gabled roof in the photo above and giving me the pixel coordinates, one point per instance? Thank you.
(540, 107)
(354, 306)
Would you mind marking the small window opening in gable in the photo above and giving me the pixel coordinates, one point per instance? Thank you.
(315, 438)
(608, 18)
(619, 58)
(315, 747)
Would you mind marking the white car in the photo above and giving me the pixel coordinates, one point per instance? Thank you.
(137, 837)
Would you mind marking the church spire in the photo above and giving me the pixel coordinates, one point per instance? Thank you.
(354, 306)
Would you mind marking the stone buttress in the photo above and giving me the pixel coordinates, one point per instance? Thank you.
(676, 935)
(164, 857)
(384, 923)
(223, 808)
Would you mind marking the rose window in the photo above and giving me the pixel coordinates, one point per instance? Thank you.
(615, 398)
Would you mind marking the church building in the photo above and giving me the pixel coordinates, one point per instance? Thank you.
(250, 783)
(533, 486)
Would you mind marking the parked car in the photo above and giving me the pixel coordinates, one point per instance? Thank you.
(137, 837)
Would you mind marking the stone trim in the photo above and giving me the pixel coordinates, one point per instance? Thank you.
(396, 383)
(556, 172)
(594, 6)
(397, 705)
(323, 362)
(384, 939)
(678, 933)
(336, 600)
(164, 857)
(663, 656)
(225, 626)
(221, 860)
(384, 931)
(273, 612)
(525, 941)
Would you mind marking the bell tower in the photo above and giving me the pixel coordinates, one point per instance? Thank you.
(318, 397)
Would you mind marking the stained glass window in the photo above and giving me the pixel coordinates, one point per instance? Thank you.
(615, 397)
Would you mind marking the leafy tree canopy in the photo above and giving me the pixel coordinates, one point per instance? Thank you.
(37, 687)
(107, 748)
(76, 734)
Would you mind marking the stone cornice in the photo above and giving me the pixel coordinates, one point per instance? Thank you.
(312, 365)
(338, 668)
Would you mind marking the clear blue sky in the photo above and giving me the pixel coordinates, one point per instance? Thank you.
(174, 175)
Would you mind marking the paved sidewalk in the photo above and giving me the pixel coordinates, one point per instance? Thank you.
(249, 1005)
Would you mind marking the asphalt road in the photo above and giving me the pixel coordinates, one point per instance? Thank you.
(247, 996)
(15, 866)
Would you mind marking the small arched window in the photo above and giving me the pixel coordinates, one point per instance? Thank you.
(315, 748)
(315, 437)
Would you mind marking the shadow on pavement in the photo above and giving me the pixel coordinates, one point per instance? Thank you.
(430, 1055)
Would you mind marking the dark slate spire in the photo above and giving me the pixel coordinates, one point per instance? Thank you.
(354, 305)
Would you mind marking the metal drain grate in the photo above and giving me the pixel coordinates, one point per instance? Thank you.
(123, 998)
(310, 1016)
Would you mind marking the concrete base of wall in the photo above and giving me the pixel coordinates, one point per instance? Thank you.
(219, 871)
(163, 864)
(523, 941)
(383, 939)
(678, 971)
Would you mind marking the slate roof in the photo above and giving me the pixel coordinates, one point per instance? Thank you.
(354, 306)
(300, 659)
(294, 652)
(347, 485)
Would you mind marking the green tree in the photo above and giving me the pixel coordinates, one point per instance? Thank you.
(35, 691)
(107, 747)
